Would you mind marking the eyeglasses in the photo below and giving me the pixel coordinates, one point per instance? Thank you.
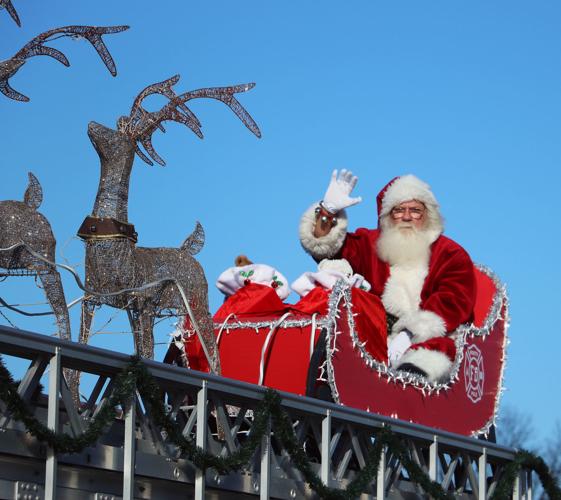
(414, 213)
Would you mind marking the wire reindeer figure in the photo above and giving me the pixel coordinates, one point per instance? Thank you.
(7, 4)
(113, 261)
(23, 227)
(37, 47)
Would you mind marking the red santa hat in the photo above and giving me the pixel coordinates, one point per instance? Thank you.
(406, 188)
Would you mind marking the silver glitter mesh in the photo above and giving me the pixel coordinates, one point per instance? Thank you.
(141, 124)
(23, 227)
(162, 278)
(36, 47)
(7, 4)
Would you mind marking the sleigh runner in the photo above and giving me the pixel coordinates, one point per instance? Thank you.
(293, 349)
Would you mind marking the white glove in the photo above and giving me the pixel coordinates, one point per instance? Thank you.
(397, 347)
(337, 197)
(358, 281)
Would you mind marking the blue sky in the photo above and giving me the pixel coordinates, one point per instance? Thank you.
(466, 95)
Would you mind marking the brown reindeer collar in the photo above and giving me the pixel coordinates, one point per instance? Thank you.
(97, 228)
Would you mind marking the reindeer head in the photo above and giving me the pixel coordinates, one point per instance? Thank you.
(116, 148)
(110, 143)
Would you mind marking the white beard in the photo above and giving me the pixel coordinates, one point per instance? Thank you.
(407, 250)
(402, 244)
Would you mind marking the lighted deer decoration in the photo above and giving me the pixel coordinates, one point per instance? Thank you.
(27, 246)
(151, 279)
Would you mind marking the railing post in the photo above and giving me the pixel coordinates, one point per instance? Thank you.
(516, 492)
(52, 423)
(129, 451)
(265, 480)
(482, 466)
(325, 447)
(201, 438)
(433, 459)
(381, 480)
(529, 491)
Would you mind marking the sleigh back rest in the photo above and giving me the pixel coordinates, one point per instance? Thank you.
(486, 291)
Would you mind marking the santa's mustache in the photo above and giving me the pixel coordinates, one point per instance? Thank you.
(407, 225)
(403, 243)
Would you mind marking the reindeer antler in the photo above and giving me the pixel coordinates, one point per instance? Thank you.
(141, 124)
(7, 4)
(36, 47)
(164, 88)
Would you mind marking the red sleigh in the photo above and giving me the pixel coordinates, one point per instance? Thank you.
(279, 348)
(465, 404)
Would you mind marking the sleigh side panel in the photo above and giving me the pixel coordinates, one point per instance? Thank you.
(278, 357)
(466, 404)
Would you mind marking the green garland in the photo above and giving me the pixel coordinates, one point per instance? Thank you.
(63, 443)
(136, 376)
(526, 460)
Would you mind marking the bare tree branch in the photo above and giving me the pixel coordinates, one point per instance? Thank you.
(514, 428)
(552, 453)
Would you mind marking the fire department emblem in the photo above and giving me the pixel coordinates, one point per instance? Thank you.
(474, 373)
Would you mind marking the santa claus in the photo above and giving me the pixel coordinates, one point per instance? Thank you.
(425, 280)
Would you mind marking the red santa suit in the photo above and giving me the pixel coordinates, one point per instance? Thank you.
(430, 297)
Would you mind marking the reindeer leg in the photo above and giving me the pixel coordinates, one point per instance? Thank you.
(88, 312)
(146, 347)
(52, 284)
(142, 324)
(147, 320)
(73, 376)
(134, 321)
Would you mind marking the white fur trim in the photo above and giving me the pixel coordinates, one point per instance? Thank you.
(234, 278)
(304, 284)
(326, 246)
(407, 188)
(422, 324)
(435, 364)
(326, 278)
(402, 292)
(340, 265)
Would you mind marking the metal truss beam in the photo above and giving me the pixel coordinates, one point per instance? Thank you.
(134, 459)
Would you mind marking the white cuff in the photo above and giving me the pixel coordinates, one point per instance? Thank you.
(435, 364)
(325, 246)
(423, 325)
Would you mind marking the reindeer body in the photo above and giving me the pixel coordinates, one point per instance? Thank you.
(115, 263)
(21, 224)
(146, 281)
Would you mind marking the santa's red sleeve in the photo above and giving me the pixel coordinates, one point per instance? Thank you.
(448, 294)
(358, 249)
(450, 286)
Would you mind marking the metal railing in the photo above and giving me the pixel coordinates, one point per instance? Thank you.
(134, 459)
